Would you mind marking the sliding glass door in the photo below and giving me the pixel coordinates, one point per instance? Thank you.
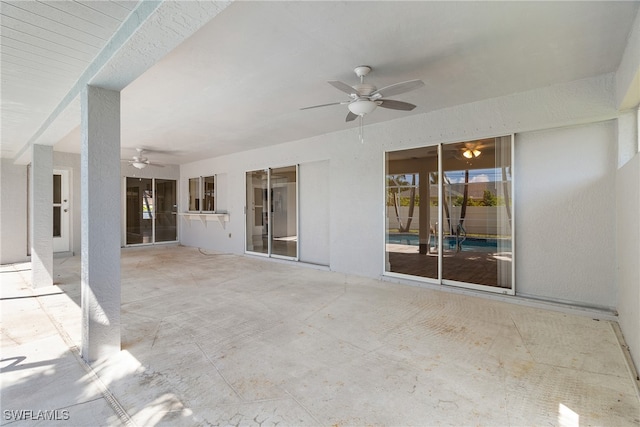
(449, 214)
(166, 229)
(272, 212)
(150, 215)
(412, 212)
(257, 225)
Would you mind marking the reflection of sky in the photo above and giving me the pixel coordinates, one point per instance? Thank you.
(475, 175)
(457, 177)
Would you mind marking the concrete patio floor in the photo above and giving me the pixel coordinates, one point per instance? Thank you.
(218, 339)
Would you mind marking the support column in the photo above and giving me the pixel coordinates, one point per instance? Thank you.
(41, 216)
(100, 201)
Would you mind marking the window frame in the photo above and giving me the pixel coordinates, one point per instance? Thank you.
(201, 193)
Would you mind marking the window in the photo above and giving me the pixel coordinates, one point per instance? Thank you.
(194, 194)
(202, 191)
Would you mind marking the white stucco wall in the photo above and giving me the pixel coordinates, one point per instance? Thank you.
(347, 218)
(628, 249)
(314, 194)
(575, 112)
(564, 215)
(13, 212)
(230, 174)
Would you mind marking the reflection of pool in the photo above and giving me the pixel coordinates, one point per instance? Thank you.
(470, 244)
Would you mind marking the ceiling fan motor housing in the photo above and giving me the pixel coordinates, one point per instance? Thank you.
(365, 89)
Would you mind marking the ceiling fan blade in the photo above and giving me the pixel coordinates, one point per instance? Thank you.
(343, 87)
(155, 164)
(398, 88)
(351, 117)
(395, 105)
(325, 105)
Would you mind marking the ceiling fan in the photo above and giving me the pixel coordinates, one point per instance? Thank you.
(365, 97)
(141, 162)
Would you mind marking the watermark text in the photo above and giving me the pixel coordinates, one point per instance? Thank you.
(35, 415)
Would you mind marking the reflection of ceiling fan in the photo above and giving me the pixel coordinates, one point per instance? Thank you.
(140, 161)
(366, 97)
(471, 150)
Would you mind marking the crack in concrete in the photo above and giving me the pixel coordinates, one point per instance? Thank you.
(155, 336)
(219, 372)
(302, 406)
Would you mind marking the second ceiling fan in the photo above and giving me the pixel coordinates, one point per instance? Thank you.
(365, 97)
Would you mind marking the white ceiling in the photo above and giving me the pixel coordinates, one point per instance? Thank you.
(46, 46)
(239, 82)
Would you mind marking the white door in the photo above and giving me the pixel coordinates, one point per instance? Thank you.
(61, 211)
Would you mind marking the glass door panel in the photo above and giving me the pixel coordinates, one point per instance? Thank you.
(57, 205)
(166, 211)
(257, 226)
(412, 212)
(139, 211)
(61, 211)
(476, 217)
(57, 221)
(284, 218)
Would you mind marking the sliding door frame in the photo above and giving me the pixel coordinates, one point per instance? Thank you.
(154, 217)
(440, 229)
(247, 212)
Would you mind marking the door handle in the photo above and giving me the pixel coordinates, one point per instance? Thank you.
(66, 210)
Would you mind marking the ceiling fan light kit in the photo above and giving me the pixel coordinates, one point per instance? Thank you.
(365, 97)
(362, 107)
(138, 165)
(140, 161)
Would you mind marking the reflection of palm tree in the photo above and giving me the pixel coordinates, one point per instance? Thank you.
(505, 190)
(445, 181)
(465, 198)
(412, 202)
(396, 185)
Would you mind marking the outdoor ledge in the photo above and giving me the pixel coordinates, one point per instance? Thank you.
(222, 218)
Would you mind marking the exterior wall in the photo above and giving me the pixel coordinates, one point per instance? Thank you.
(314, 212)
(356, 200)
(13, 212)
(230, 173)
(13, 201)
(564, 192)
(628, 248)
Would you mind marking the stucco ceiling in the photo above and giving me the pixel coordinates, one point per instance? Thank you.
(239, 82)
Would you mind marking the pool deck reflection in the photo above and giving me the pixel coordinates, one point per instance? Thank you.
(465, 266)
